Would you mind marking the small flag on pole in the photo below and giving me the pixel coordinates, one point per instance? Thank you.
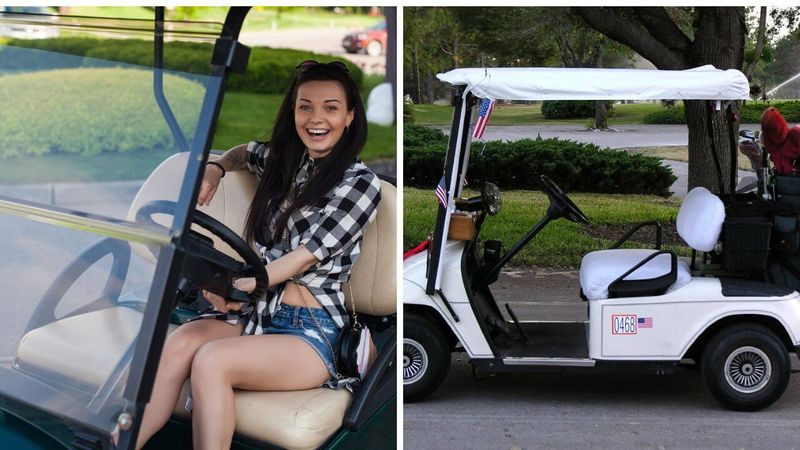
(483, 118)
(441, 193)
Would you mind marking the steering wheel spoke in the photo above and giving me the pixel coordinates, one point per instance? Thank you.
(206, 267)
(562, 205)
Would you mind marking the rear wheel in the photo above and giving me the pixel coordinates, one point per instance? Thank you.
(426, 357)
(374, 48)
(746, 367)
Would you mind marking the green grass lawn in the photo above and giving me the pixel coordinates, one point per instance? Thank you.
(258, 19)
(244, 117)
(517, 114)
(561, 243)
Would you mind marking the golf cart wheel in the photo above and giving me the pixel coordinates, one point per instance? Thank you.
(426, 357)
(746, 367)
(374, 48)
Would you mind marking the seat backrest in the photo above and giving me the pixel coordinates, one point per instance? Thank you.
(700, 219)
(229, 205)
(373, 279)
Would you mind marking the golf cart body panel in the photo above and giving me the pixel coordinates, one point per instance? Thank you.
(466, 329)
(665, 327)
(742, 331)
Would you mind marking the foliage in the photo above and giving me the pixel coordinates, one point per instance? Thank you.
(674, 115)
(570, 109)
(518, 164)
(420, 136)
(751, 112)
(90, 111)
(269, 70)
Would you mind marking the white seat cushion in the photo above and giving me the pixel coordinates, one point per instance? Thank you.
(700, 219)
(85, 348)
(601, 268)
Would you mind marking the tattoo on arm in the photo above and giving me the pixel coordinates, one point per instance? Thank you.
(235, 158)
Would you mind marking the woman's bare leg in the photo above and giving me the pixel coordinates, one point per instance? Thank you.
(173, 370)
(284, 363)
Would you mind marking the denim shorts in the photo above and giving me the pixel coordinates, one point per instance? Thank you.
(295, 321)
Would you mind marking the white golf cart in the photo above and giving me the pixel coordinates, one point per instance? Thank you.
(648, 310)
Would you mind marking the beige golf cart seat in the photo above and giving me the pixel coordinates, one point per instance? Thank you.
(296, 419)
(699, 224)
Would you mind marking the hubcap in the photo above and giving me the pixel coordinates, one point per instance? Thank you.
(415, 361)
(747, 369)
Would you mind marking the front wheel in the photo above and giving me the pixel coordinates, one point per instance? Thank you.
(746, 367)
(426, 357)
(374, 48)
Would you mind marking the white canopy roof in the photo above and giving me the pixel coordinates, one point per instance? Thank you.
(549, 83)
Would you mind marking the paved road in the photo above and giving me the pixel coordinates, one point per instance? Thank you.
(318, 40)
(556, 411)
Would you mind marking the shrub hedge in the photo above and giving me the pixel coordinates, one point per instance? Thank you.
(518, 165)
(570, 109)
(91, 111)
(269, 70)
(749, 113)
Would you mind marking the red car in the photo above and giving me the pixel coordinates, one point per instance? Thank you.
(371, 41)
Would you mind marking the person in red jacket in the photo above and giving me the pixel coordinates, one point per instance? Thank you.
(781, 142)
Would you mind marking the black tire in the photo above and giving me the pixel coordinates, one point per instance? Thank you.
(746, 367)
(426, 357)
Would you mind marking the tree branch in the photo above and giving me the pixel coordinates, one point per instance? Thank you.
(622, 30)
(662, 28)
(760, 37)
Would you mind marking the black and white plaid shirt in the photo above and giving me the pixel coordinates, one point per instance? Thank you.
(331, 230)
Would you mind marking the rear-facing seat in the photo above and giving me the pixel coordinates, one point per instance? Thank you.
(613, 273)
(293, 419)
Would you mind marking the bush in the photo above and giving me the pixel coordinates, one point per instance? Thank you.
(518, 165)
(751, 112)
(570, 109)
(420, 136)
(666, 116)
(91, 111)
(269, 70)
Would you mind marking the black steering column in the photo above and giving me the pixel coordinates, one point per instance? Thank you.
(560, 206)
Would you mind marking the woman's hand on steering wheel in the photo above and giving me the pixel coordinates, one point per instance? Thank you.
(209, 185)
(219, 303)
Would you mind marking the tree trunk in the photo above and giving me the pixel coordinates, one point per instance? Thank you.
(600, 114)
(429, 84)
(718, 40)
(415, 72)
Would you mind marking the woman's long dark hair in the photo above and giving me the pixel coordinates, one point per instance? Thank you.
(286, 153)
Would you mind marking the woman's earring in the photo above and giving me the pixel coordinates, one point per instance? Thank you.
(346, 129)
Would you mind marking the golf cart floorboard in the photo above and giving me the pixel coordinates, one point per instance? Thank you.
(545, 340)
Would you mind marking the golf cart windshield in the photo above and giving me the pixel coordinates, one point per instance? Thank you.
(83, 124)
(542, 83)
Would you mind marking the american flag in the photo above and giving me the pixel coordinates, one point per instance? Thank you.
(645, 322)
(441, 193)
(483, 118)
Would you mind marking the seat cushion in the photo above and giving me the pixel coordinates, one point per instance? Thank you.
(599, 269)
(700, 219)
(291, 419)
(85, 348)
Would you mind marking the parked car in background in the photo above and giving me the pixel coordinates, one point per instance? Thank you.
(371, 41)
(28, 30)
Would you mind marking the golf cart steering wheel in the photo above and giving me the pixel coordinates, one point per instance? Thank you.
(207, 268)
(570, 211)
